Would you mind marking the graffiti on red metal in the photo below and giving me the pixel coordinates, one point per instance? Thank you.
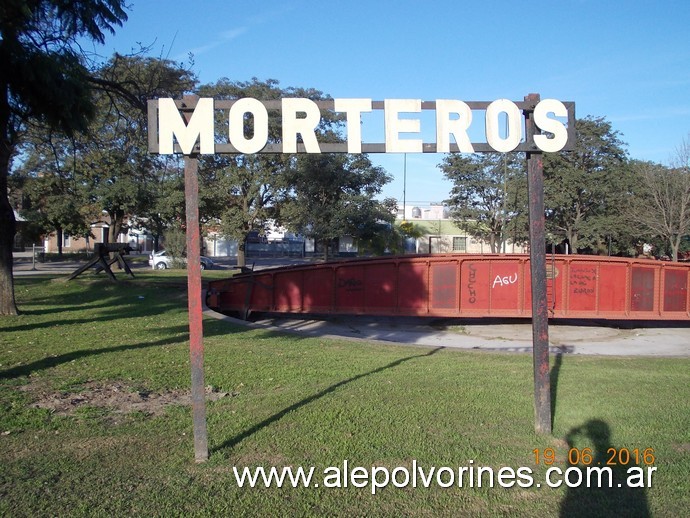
(505, 280)
(583, 280)
(351, 284)
(470, 283)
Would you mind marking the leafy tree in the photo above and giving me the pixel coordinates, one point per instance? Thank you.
(333, 195)
(663, 207)
(166, 207)
(404, 231)
(56, 206)
(244, 191)
(586, 188)
(176, 246)
(109, 170)
(53, 197)
(123, 177)
(488, 197)
(44, 78)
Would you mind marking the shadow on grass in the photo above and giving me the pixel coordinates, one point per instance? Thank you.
(54, 361)
(178, 334)
(609, 473)
(116, 309)
(99, 301)
(553, 378)
(230, 443)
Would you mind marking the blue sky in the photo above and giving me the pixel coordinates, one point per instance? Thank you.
(627, 61)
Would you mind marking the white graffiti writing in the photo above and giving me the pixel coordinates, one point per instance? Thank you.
(505, 280)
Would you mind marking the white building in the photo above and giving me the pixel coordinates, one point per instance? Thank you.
(440, 235)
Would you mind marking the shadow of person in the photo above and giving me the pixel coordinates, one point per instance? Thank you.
(616, 483)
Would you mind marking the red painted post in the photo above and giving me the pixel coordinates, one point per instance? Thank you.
(196, 330)
(540, 313)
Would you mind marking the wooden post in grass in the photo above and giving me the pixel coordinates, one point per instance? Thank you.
(194, 303)
(540, 316)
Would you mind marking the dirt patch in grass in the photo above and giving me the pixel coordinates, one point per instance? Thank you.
(115, 398)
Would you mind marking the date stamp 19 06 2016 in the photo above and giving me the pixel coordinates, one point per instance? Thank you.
(586, 457)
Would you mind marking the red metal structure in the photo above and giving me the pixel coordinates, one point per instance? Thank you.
(463, 285)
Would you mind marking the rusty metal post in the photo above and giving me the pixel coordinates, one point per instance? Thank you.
(196, 330)
(540, 315)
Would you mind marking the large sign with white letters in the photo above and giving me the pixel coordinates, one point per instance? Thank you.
(207, 126)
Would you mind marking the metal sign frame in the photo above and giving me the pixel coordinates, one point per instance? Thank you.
(540, 324)
(187, 105)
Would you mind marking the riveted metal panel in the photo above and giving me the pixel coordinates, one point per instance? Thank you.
(380, 287)
(613, 285)
(413, 287)
(349, 289)
(288, 291)
(642, 293)
(318, 296)
(675, 290)
(444, 286)
(582, 286)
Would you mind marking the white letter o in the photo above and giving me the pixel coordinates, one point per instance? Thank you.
(493, 137)
(236, 125)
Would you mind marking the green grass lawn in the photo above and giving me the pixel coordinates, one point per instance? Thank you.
(94, 376)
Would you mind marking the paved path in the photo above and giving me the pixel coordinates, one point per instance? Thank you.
(511, 337)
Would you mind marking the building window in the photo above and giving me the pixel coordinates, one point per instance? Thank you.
(66, 241)
(459, 244)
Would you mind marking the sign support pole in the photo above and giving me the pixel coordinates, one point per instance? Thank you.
(196, 330)
(540, 315)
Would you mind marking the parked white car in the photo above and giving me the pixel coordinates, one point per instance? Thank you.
(161, 260)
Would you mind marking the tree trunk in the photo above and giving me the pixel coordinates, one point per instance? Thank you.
(7, 231)
(59, 238)
(241, 253)
(572, 241)
(117, 219)
(493, 242)
(8, 225)
(8, 228)
(675, 246)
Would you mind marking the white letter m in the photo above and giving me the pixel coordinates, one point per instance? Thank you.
(171, 123)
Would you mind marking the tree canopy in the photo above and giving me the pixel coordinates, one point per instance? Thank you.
(109, 168)
(663, 207)
(113, 160)
(244, 192)
(333, 195)
(584, 189)
(44, 78)
(489, 195)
